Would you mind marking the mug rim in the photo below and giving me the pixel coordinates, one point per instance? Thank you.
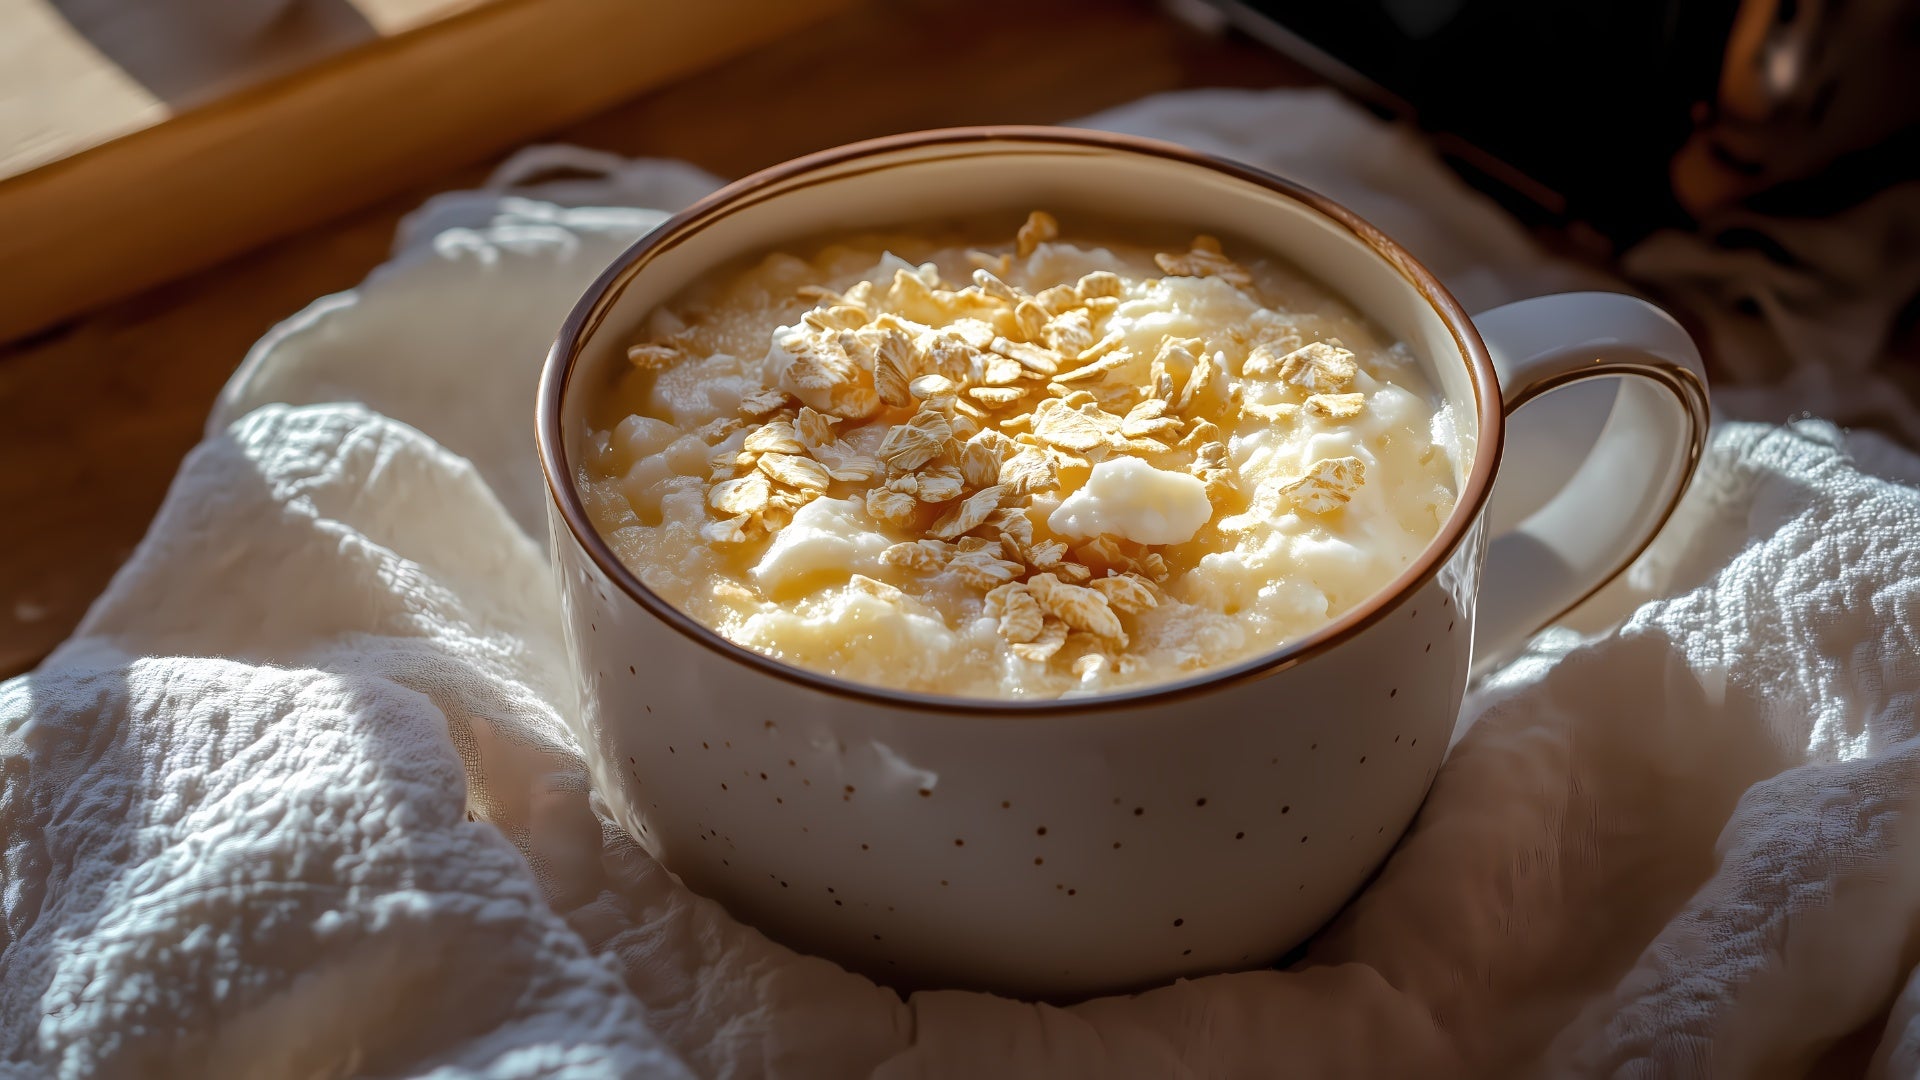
(588, 312)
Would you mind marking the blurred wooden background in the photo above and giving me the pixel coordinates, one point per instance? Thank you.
(95, 413)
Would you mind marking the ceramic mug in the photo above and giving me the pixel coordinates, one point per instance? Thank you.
(1059, 848)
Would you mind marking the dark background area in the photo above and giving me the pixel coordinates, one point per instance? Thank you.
(1587, 102)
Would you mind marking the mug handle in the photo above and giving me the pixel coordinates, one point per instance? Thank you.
(1573, 518)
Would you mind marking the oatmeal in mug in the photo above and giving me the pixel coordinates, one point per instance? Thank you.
(1094, 465)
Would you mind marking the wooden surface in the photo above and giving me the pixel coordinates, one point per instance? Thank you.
(76, 74)
(133, 149)
(95, 417)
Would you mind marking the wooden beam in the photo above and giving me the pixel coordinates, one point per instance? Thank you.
(151, 194)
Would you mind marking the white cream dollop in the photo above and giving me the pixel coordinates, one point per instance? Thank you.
(827, 538)
(1128, 498)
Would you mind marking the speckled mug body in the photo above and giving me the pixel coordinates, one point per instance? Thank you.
(1053, 849)
(1058, 855)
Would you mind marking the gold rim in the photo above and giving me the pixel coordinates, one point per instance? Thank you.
(592, 309)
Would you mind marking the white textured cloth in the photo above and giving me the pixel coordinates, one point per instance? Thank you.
(261, 813)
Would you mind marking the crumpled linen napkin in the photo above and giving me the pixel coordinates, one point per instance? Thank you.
(299, 797)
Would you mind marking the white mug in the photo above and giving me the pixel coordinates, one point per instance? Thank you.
(1061, 848)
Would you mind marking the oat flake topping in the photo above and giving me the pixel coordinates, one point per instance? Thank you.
(957, 417)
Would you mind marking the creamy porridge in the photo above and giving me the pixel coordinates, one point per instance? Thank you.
(1048, 466)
